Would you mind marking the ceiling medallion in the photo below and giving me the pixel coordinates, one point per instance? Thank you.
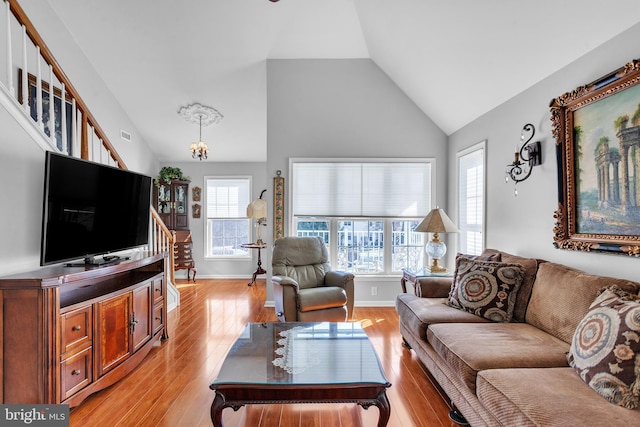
(201, 115)
(195, 112)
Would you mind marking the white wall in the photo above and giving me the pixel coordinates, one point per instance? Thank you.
(346, 108)
(22, 175)
(523, 225)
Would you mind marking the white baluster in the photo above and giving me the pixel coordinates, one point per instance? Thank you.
(75, 149)
(52, 111)
(25, 71)
(9, 53)
(63, 119)
(39, 89)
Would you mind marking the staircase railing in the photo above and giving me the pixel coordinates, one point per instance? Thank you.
(34, 82)
(162, 239)
(33, 78)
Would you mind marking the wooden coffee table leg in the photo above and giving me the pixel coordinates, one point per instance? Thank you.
(216, 410)
(382, 403)
(385, 409)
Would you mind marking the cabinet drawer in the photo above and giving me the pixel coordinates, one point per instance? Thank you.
(77, 328)
(158, 293)
(158, 318)
(75, 372)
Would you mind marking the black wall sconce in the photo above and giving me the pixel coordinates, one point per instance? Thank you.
(527, 155)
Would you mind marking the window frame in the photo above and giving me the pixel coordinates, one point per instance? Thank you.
(388, 221)
(247, 255)
(464, 229)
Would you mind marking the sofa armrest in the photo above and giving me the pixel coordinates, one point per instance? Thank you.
(285, 291)
(338, 278)
(285, 281)
(434, 287)
(342, 279)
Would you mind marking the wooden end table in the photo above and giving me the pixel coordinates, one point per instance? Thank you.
(301, 363)
(259, 270)
(414, 276)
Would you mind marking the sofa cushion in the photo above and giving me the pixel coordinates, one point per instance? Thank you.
(561, 296)
(605, 350)
(321, 298)
(546, 397)
(470, 348)
(485, 288)
(417, 313)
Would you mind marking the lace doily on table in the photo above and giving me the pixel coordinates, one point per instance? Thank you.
(296, 356)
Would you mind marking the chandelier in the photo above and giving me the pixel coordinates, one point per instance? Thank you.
(203, 115)
(199, 150)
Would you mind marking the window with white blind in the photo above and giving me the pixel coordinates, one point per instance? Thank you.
(227, 224)
(364, 210)
(471, 184)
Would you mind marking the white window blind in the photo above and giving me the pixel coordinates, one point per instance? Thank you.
(471, 200)
(361, 189)
(227, 197)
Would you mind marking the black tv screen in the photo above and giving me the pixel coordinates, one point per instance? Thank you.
(91, 209)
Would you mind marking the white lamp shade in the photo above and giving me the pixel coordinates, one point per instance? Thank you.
(257, 209)
(436, 222)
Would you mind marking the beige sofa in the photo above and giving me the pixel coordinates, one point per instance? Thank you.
(514, 373)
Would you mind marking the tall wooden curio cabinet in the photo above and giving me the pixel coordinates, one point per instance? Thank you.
(171, 203)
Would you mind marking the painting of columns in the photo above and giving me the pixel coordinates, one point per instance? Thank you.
(607, 165)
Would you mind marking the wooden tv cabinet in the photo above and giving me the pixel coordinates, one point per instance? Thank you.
(67, 332)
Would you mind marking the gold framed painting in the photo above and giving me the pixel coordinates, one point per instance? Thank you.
(597, 131)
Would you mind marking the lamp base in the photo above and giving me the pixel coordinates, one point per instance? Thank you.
(436, 267)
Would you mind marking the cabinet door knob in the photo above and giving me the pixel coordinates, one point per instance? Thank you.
(76, 328)
(158, 318)
(75, 372)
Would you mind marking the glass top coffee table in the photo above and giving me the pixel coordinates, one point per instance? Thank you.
(301, 363)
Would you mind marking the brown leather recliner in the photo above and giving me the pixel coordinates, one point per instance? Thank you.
(305, 289)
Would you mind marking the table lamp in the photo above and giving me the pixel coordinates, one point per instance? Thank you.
(258, 210)
(436, 222)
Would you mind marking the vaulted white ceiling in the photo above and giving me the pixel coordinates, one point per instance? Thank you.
(455, 59)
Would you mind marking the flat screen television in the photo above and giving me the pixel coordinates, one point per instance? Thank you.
(90, 209)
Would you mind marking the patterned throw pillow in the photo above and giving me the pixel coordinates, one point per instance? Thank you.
(488, 256)
(605, 349)
(486, 288)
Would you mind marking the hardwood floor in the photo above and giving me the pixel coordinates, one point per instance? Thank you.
(171, 387)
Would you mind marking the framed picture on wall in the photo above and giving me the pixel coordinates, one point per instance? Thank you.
(597, 131)
(278, 205)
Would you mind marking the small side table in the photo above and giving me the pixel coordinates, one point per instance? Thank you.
(413, 276)
(259, 270)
